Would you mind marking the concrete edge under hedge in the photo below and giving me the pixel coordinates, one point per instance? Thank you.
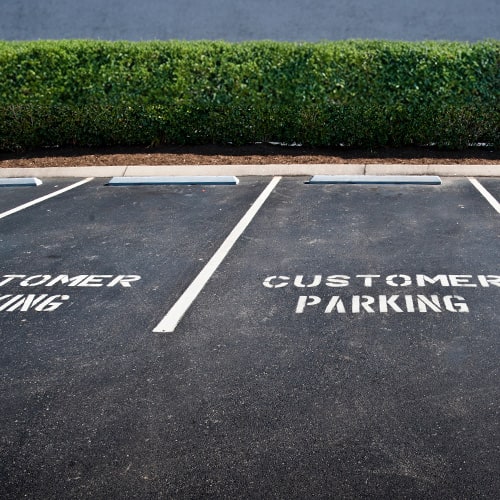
(445, 170)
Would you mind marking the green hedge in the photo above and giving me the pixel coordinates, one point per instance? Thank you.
(358, 93)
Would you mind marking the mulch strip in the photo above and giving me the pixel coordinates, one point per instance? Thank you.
(253, 154)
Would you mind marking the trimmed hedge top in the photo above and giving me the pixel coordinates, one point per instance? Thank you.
(354, 92)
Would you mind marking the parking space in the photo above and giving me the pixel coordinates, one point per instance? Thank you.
(83, 240)
(11, 197)
(345, 344)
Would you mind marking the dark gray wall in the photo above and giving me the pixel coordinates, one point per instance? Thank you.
(237, 20)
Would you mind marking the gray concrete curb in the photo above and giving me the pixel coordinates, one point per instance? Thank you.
(250, 170)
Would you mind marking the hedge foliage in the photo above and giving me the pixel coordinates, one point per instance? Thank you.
(358, 93)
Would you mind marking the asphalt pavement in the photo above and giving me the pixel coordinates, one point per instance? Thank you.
(322, 341)
(238, 20)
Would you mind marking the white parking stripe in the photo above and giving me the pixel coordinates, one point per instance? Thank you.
(43, 198)
(172, 318)
(489, 197)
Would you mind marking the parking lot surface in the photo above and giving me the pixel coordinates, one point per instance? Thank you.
(237, 20)
(344, 344)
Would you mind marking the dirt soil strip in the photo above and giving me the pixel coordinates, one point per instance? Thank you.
(255, 154)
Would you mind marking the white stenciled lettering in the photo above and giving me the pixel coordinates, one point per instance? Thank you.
(9, 277)
(299, 281)
(488, 280)
(337, 280)
(51, 303)
(432, 302)
(9, 299)
(423, 280)
(306, 300)
(363, 301)
(64, 279)
(455, 303)
(35, 280)
(410, 306)
(23, 303)
(47, 302)
(124, 280)
(335, 304)
(26, 302)
(94, 280)
(385, 303)
(461, 280)
(282, 281)
(398, 280)
(368, 278)
(424, 302)
(84, 280)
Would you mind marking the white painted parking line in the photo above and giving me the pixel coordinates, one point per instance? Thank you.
(43, 198)
(172, 318)
(204, 180)
(20, 182)
(489, 197)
